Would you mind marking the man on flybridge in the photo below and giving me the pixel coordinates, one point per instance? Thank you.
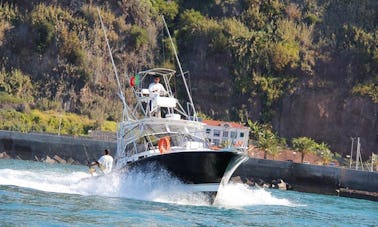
(156, 89)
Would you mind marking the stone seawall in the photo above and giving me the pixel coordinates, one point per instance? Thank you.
(313, 178)
(302, 177)
(44, 147)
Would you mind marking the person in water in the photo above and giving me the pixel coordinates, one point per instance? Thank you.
(105, 163)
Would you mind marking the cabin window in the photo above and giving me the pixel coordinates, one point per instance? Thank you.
(242, 134)
(233, 134)
(216, 133)
(216, 142)
(130, 149)
(208, 131)
(225, 134)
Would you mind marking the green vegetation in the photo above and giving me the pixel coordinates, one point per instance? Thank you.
(272, 144)
(6, 98)
(276, 46)
(266, 139)
(54, 58)
(304, 145)
(370, 90)
(49, 122)
(16, 84)
(138, 36)
(325, 153)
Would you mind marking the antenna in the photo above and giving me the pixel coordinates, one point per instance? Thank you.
(120, 92)
(181, 71)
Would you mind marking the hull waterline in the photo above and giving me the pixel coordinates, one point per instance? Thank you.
(194, 167)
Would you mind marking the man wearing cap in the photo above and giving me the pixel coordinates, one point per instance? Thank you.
(156, 87)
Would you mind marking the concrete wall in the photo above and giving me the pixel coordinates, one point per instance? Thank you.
(302, 177)
(34, 146)
(309, 178)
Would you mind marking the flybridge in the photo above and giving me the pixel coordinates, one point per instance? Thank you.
(149, 104)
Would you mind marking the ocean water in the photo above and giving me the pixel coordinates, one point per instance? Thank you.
(39, 194)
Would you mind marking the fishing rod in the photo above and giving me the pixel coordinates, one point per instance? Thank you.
(181, 71)
(120, 94)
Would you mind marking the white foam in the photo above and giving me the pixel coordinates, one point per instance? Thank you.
(43, 181)
(152, 186)
(241, 195)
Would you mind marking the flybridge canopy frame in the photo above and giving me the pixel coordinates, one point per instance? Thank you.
(144, 99)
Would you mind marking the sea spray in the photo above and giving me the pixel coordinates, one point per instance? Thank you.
(241, 195)
(158, 186)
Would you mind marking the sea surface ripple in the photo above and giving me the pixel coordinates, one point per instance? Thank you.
(39, 194)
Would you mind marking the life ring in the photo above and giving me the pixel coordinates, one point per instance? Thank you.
(164, 144)
(238, 144)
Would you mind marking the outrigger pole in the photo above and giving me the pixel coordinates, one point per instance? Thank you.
(120, 93)
(181, 71)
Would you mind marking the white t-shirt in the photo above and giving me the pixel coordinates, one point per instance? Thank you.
(106, 163)
(157, 88)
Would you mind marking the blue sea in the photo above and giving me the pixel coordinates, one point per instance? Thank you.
(40, 194)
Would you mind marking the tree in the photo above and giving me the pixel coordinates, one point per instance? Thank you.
(266, 139)
(255, 129)
(304, 145)
(274, 149)
(16, 84)
(325, 153)
(374, 162)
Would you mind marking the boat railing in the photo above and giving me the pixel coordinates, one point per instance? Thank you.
(150, 142)
(190, 109)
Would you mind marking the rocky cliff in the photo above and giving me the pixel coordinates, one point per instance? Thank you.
(330, 116)
(307, 67)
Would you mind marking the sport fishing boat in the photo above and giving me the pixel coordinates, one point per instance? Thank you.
(165, 135)
(159, 131)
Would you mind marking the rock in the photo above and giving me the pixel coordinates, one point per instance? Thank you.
(49, 160)
(260, 182)
(282, 185)
(4, 155)
(36, 158)
(274, 184)
(59, 159)
(70, 161)
(236, 179)
(250, 182)
(76, 163)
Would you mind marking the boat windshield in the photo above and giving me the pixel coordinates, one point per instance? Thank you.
(177, 141)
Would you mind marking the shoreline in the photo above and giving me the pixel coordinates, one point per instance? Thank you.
(298, 177)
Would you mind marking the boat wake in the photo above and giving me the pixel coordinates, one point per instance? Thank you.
(241, 195)
(152, 186)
